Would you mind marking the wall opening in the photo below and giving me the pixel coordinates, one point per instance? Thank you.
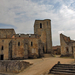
(56, 53)
(29, 35)
(31, 43)
(18, 43)
(2, 48)
(2, 56)
(40, 25)
(19, 35)
(67, 50)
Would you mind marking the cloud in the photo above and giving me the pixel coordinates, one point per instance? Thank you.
(61, 32)
(21, 14)
(7, 26)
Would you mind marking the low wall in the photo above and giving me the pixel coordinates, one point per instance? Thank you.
(13, 66)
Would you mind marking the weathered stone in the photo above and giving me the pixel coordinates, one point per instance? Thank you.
(67, 46)
(63, 69)
(56, 50)
(43, 29)
(13, 66)
(23, 46)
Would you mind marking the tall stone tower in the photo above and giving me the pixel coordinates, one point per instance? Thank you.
(43, 29)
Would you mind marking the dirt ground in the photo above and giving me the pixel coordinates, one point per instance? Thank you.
(43, 65)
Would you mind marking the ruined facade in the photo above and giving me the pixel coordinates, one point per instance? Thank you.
(43, 29)
(56, 50)
(67, 45)
(22, 46)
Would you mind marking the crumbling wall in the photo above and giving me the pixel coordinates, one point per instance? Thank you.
(25, 49)
(33, 49)
(66, 45)
(13, 66)
(5, 52)
(18, 48)
(6, 33)
(25, 36)
(56, 50)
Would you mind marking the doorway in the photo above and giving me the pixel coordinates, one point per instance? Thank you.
(2, 56)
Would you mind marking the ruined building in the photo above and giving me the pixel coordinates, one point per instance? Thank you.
(56, 50)
(67, 45)
(22, 46)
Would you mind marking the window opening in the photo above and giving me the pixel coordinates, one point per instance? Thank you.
(67, 49)
(40, 25)
(31, 43)
(18, 43)
(2, 48)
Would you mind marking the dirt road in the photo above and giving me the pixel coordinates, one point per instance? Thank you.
(41, 66)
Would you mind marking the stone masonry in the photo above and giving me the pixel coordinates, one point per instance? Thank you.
(13, 66)
(43, 29)
(23, 46)
(67, 45)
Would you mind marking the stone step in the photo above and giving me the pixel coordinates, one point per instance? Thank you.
(62, 73)
(64, 65)
(63, 68)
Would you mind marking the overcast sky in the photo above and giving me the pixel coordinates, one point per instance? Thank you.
(21, 14)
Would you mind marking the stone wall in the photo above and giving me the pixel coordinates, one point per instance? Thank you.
(43, 29)
(25, 36)
(56, 50)
(20, 48)
(66, 45)
(5, 51)
(6, 33)
(25, 49)
(13, 46)
(13, 66)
